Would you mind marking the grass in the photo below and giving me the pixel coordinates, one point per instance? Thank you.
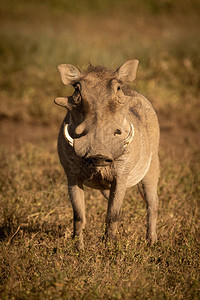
(38, 259)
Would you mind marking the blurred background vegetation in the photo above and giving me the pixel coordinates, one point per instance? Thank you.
(36, 36)
(37, 256)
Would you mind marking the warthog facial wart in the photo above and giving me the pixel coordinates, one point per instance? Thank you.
(108, 141)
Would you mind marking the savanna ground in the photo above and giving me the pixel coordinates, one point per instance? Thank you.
(38, 259)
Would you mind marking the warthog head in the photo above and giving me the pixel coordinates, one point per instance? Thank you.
(98, 129)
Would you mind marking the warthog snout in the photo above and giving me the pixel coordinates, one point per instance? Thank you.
(98, 160)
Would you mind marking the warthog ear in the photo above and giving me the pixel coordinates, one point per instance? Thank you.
(61, 101)
(69, 73)
(127, 72)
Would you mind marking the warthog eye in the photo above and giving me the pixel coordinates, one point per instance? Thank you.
(77, 87)
(77, 93)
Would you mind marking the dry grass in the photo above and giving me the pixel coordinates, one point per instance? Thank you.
(38, 259)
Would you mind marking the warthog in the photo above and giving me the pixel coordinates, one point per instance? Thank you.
(108, 141)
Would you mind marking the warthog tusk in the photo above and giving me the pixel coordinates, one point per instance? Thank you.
(130, 136)
(67, 136)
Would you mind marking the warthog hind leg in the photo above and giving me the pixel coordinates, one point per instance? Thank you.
(149, 183)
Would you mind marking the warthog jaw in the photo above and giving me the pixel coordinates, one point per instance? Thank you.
(127, 141)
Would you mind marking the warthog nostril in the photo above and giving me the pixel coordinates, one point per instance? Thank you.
(89, 161)
(98, 160)
(108, 160)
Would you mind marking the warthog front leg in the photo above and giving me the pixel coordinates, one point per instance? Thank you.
(149, 183)
(117, 193)
(76, 194)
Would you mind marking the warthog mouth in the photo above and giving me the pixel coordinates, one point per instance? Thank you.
(127, 140)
